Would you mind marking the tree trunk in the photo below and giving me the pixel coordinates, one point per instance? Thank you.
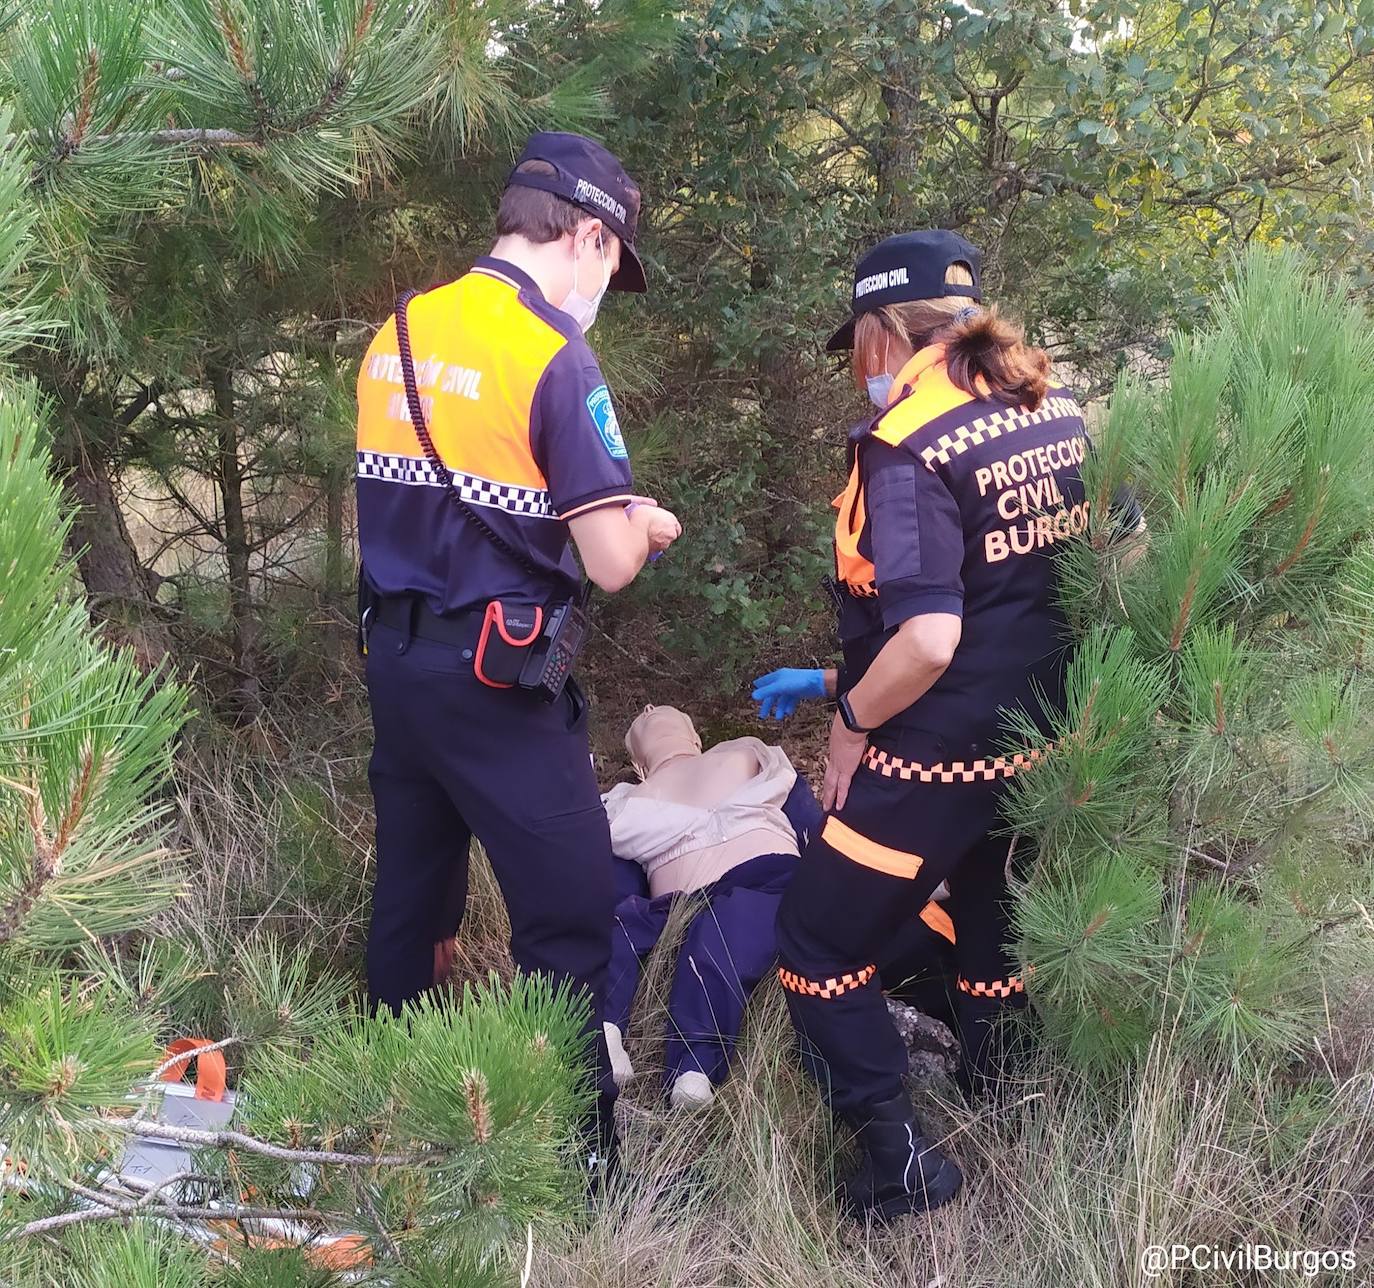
(335, 483)
(229, 480)
(119, 590)
(788, 409)
(898, 152)
(335, 587)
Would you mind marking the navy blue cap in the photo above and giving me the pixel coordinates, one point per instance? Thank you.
(909, 266)
(589, 176)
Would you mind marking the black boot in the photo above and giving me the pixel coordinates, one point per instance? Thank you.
(902, 1171)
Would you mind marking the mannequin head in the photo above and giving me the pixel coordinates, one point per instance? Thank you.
(658, 735)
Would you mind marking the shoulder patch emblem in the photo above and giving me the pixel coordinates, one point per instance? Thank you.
(604, 418)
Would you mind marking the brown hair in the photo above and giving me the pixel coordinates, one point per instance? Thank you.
(534, 214)
(986, 355)
(540, 216)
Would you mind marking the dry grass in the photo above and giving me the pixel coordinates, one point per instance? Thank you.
(1068, 1183)
(278, 846)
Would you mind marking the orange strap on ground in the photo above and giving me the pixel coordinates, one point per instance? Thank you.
(347, 1252)
(211, 1071)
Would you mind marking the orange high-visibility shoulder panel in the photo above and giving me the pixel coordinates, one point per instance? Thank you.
(850, 566)
(479, 354)
(933, 394)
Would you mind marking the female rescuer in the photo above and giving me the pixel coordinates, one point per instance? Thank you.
(960, 489)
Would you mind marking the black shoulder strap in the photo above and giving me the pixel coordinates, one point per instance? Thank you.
(436, 462)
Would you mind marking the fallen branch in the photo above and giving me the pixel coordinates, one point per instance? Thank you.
(251, 1145)
(173, 1211)
(1220, 864)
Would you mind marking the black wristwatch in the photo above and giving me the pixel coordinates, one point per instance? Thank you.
(847, 715)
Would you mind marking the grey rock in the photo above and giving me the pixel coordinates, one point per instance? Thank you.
(932, 1050)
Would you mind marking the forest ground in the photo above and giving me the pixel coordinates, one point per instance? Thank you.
(1069, 1181)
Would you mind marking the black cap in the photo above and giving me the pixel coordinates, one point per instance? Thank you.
(909, 266)
(589, 176)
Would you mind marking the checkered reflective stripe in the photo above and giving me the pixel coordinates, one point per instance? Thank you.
(976, 432)
(831, 988)
(957, 771)
(415, 471)
(993, 988)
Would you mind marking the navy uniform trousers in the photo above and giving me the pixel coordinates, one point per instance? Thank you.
(908, 824)
(453, 759)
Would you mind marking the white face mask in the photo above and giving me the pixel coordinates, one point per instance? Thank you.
(880, 386)
(880, 389)
(583, 308)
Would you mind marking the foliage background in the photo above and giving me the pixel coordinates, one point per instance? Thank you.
(215, 295)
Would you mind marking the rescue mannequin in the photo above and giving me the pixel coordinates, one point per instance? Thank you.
(714, 822)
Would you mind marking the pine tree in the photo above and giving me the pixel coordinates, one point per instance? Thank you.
(225, 192)
(1203, 819)
(443, 1135)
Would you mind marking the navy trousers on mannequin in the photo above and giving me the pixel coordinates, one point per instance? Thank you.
(729, 947)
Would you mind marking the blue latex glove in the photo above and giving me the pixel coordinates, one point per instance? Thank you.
(779, 692)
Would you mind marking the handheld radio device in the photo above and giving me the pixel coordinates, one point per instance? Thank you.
(552, 655)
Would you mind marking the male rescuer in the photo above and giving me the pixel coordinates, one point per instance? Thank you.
(483, 446)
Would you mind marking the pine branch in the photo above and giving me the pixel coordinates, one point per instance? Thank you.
(1318, 507)
(207, 525)
(1186, 607)
(238, 55)
(1280, 836)
(90, 774)
(365, 1201)
(47, 852)
(135, 407)
(273, 531)
(169, 137)
(81, 122)
(189, 136)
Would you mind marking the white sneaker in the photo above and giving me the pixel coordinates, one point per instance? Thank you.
(692, 1091)
(621, 1068)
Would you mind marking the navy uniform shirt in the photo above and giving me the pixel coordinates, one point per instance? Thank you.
(956, 504)
(523, 421)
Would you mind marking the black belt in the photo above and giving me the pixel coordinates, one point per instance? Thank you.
(413, 616)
